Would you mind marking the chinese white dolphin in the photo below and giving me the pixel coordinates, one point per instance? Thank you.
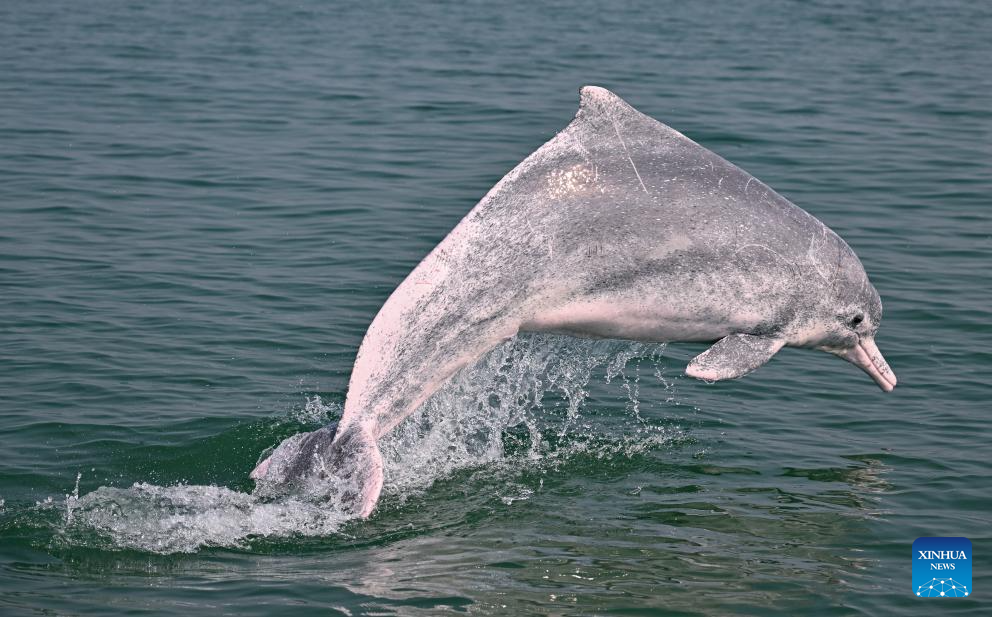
(619, 227)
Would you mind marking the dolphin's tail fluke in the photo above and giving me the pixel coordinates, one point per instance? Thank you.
(356, 462)
(341, 467)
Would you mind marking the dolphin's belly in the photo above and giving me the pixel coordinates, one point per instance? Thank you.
(644, 321)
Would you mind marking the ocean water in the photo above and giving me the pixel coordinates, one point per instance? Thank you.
(203, 205)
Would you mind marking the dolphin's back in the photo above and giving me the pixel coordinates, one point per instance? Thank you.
(621, 184)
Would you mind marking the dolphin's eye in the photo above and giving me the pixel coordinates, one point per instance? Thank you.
(856, 320)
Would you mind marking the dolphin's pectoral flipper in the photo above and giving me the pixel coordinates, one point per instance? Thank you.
(733, 356)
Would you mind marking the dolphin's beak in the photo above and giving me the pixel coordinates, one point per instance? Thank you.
(867, 356)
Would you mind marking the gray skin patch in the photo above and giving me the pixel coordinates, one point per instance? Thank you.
(326, 465)
(297, 458)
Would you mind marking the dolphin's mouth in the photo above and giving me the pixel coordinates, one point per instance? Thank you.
(867, 356)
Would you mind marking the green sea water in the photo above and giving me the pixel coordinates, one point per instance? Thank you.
(203, 205)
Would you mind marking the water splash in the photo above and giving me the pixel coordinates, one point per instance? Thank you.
(464, 424)
(185, 518)
(72, 499)
(533, 385)
(316, 412)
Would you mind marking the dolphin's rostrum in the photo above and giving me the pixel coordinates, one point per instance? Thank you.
(619, 227)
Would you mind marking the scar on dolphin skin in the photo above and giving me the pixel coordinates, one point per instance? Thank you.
(637, 264)
(616, 130)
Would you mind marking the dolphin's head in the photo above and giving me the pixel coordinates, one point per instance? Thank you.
(847, 316)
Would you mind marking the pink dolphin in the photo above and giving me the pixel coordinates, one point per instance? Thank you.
(618, 227)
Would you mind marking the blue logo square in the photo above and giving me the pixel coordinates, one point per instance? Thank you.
(942, 567)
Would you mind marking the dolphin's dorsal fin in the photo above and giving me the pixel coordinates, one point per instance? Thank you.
(607, 114)
(733, 356)
(595, 101)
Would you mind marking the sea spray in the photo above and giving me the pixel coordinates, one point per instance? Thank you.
(463, 425)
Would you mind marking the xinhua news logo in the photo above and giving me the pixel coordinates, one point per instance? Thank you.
(942, 567)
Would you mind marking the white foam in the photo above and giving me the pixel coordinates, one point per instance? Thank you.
(184, 518)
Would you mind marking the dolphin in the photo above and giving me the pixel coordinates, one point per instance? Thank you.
(618, 227)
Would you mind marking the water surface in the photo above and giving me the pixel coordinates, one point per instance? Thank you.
(203, 205)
